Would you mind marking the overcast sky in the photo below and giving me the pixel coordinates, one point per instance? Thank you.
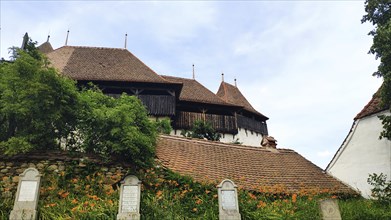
(304, 64)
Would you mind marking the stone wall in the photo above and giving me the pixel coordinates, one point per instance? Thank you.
(53, 163)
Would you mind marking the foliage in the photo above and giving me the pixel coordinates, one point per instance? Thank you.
(379, 14)
(41, 110)
(87, 193)
(37, 106)
(381, 188)
(202, 130)
(116, 127)
(163, 126)
(358, 209)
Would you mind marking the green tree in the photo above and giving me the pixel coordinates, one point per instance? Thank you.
(41, 110)
(37, 107)
(379, 14)
(116, 127)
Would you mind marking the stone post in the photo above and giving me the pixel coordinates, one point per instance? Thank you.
(129, 202)
(27, 194)
(228, 201)
(329, 209)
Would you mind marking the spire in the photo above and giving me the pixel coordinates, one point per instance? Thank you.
(126, 40)
(25, 41)
(222, 77)
(66, 40)
(193, 72)
(235, 83)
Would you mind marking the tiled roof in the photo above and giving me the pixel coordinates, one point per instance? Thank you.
(232, 94)
(253, 168)
(373, 106)
(102, 64)
(45, 47)
(194, 91)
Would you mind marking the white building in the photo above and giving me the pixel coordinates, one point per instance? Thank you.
(362, 152)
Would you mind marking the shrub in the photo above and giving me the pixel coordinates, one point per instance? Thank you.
(202, 130)
(381, 188)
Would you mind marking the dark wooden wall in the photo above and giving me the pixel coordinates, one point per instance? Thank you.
(159, 105)
(251, 124)
(221, 123)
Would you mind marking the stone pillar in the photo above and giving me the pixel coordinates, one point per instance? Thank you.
(228, 201)
(329, 209)
(129, 202)
(27, 194)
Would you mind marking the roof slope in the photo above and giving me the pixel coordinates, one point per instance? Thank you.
(249, 167)
(45, 47)
(373, 106)
(193, 91)
(232, 94)
(102, 64)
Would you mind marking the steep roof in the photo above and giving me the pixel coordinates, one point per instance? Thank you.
(45, 47)
(232, 94)
(102, 64)
(193, 91)
(373, 106)
(252, 168)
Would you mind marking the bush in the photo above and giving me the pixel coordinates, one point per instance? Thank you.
(202, 130)
(163, 126)
(381, 188)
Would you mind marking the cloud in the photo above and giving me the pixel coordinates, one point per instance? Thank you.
(325, 153)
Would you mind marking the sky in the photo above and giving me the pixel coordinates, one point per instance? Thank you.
(303, 64)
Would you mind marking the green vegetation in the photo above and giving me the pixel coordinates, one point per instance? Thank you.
(202, 130)
(163, 126)
(37, 106)
(379, 14)
(381, 190)
(116, 127)
(41, 110)
(88, 194)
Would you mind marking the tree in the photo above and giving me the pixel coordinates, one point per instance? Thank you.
(37, 106)
(379, 14)
(116, 127)
(41, 110)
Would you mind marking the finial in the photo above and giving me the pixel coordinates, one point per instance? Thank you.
(193, 72)
(236, 85)
(66, 40)
(48, 38)
(222, 77)
(126, 40)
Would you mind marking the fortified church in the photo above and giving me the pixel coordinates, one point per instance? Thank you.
(182, 100)
(256, 164)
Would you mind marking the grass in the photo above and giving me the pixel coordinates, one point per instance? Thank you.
(167, 195)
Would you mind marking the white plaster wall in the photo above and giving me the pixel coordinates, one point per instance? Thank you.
(246, 137)
(363, 153)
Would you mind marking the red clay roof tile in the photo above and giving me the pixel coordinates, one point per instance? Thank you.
(252, 168)
(232, 94)
(102, 64)
(373, 106)
(193, 91)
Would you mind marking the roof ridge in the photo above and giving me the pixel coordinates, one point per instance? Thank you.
(92, 47)
(178, 77)
(221, 144)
